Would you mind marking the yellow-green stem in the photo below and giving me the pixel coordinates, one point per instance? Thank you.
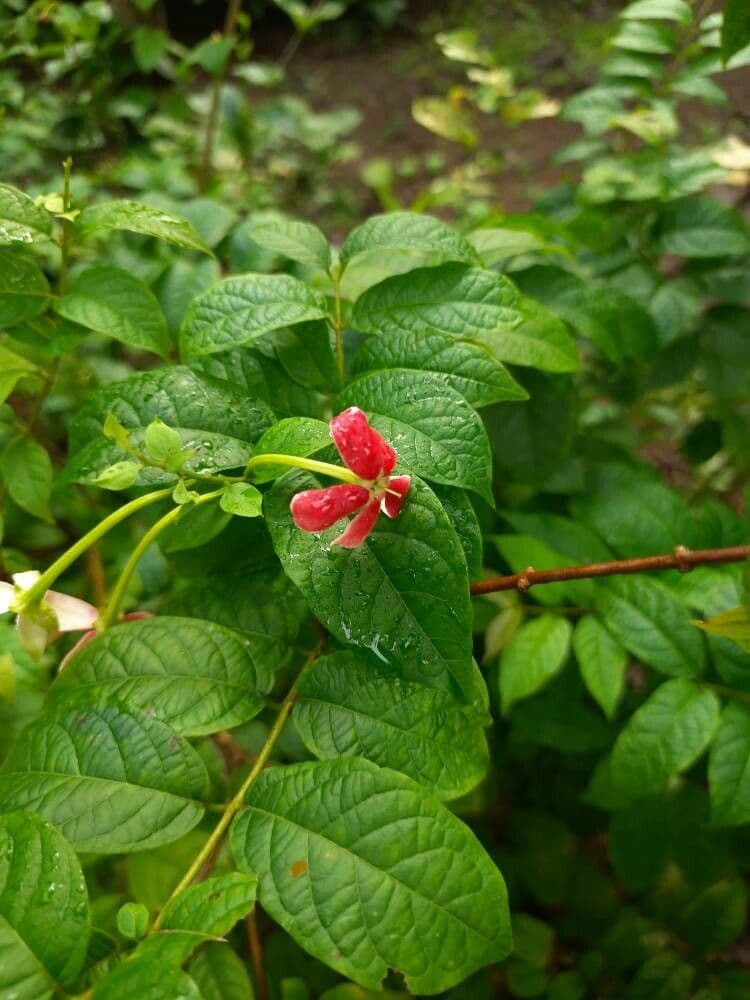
(111, 612)
(37, 591)
(234, 9)
(66, 237)
(235, 804)
(338, 327)
(308, 464)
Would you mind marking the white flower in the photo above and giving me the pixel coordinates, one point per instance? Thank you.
(38, 624)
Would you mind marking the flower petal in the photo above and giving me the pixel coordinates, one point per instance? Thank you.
(360, 527)
(7, 596)
(363, 450)
(26, 579)
(33, 635)
(316, 510)
(73, 615)
(390, 504)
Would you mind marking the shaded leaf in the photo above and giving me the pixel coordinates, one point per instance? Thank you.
(664, 737)
(352, 707)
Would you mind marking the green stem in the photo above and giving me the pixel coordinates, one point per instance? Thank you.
(234, 9)
(338, 326)
(66, 237)
(309, 464)
(66, 243)
(235, 804)
(37, 591)
(111, 612)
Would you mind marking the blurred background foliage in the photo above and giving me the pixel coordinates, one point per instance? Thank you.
(597, 153)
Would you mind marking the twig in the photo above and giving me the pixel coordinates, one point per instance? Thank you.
(230, 23)
(211, 846)
(682, 559)
(256, 955)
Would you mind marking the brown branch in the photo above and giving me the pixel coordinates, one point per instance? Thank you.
(256, 955)
(681, 558)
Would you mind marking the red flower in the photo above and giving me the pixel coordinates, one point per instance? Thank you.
(368, 455)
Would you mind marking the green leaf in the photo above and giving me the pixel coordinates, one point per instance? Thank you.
(644, 37)
(21, 975)
(133, 217)
(541, 340)
(348, 852)
(220, 974)
(536, 653)
(195, 676)
(119, 476)
(162, 443)
(452, 299)
(733, 624)
(699, 227)
(183, 281)
(300, 241)
(468, 368)
(111, 780)
(242, 500)
(636, 516)
(401, 241)
(116, 304)
(213, 906)
(43, 904)
(301, 436)
(618, 324)
(532, 441)
(603, 663)
(21, 221)
(497, 244)
(403, 593)
(349, 706)
(658, 10)
(432, 428)
(729, 768)
(664, 976)
(651, 623)
(13, 368)
(24, 290)
(27, 472)
(446, 118)
(735, 28)
(212, 54)
(559, 719)
(664, 737)
(460, 510)
(522, 551)
(150, 45)
(213, 221)
(132, 921)
(236, 311)
(146, 979)
(217, 422)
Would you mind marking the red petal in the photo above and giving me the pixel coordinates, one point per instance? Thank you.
(316, 510)
(391, 504)
(363, 450)
(360, 527)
